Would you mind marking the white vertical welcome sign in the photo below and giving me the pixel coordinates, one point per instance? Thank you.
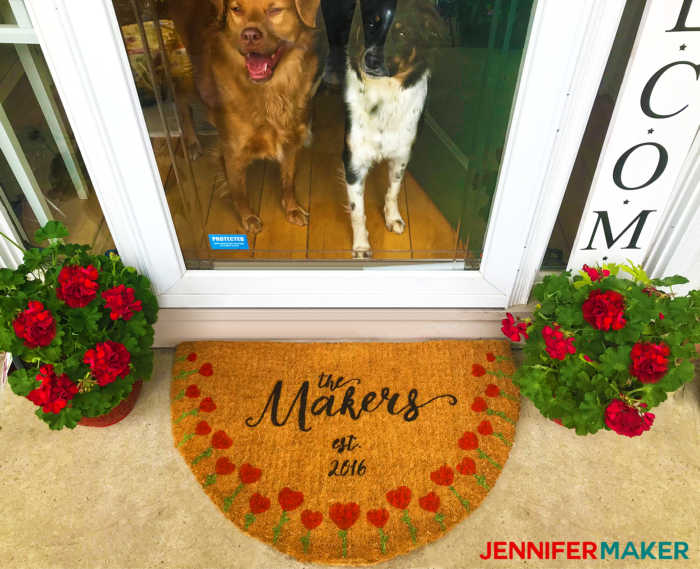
(653, 126)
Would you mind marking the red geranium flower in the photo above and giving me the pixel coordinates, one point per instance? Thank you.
(556, 345)
(378, 518)
(661, 316)
(108, 362)
(626, 420)
(224, 466)
(479, 405)
(35, 326)
(490, 357)
(649, 361)
(206, 370)
(289, 499)
(258, 503)
(430, 502)
(595, 274)
(202, 428)
(344, 515)
(192, 392)
(207, 405)
(120, 300)
(492, 390)
(54, 393)
(469, 441)
(485, 428)
(443, 476)
(604, 310)
(466, 467)
(399, 498)
(311, 520)
(513, 332)
(248, 474)
(585, 357)
(221, 440)
(77, 286)
(478, 370)
(192, 357)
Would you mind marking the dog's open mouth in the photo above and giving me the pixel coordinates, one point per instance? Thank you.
(261, 67)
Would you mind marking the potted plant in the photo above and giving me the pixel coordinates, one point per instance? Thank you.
(80, 327)
(602, 351)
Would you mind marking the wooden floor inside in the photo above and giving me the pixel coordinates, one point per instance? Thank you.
(320, 190)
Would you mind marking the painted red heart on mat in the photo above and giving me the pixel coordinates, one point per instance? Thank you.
(248, 474)
(192, 357)
(207, 405)
(485, 428)
(289, 499)
(344, 515)
(466, 467)
(378, 518)
(221, 440)
(469, 441)
(192, 392)
(311, 520)
(479, 405)
(399, 498)
(203, 428)
(492, 390)
(430, 502)
(478, 370)
(224, 466)
(443, 476)
(258, 503)
(206, 370)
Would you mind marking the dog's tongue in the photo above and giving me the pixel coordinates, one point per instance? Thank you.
(259, 65)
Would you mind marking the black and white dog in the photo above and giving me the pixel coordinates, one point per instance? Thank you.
(386, 90)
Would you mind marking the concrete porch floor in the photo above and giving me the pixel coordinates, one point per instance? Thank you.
(123, 497)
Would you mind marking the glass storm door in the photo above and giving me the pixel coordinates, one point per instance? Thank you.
(350, 153)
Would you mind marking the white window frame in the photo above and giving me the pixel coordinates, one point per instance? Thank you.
(565, 57)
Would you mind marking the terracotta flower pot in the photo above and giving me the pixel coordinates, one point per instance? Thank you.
(117, 413)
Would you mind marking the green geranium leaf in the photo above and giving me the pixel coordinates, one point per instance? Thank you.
(84, 320)
(52, 230)
(670, 281)
(615, 360)
(68, 417)
(22, 383)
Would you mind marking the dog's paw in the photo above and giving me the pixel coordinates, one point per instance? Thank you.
(395, 225)
(362, 254)
(253, 224)
(195, 150)
(297, 216)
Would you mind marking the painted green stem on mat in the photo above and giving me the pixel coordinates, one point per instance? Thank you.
(405, 519)
(179, 396)
(228, 501)
(183, 374)
(211, 479)
(343, 534)
(499, 374)
(193, 412)
(505, 441)
(482, 454)
(500, 414)
(438, 518)
(249, 519)
(205, 454)
(505, 359)
(305, 540)
(462, 501)
(481, 481)
(186, 438)
(509, 397)
(278, 528)
(383, 538)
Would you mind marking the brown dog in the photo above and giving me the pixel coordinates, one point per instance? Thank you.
(254, 67)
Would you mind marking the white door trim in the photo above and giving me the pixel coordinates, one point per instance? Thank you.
(85, 54)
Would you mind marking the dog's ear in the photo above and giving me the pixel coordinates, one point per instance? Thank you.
(307, 11)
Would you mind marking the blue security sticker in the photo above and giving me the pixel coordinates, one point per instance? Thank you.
(239, 242)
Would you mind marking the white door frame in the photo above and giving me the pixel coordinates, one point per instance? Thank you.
(562, 66)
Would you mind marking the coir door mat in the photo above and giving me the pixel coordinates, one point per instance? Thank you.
(350, 453)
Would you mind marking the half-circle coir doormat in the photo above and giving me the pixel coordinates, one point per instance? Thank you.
(348, 453)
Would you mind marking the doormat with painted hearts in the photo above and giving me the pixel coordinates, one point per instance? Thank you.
(347, 453)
